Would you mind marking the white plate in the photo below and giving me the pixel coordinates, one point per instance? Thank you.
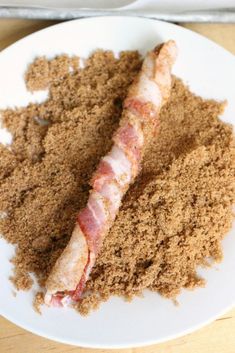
(210, 71)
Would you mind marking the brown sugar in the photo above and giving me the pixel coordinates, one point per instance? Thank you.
(172, 219)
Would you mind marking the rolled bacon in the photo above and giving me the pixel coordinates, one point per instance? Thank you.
(113, 176)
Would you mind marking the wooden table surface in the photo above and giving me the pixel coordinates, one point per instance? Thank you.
(218, 337)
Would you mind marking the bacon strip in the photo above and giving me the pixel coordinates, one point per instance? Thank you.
(114, 174)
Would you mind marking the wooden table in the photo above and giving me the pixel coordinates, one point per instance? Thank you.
(218, 337)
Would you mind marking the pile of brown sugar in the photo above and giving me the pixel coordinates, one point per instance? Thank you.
(172, 219)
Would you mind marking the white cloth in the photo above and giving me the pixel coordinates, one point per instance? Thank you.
(180, 5)
(72, 4)
(154, 5)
